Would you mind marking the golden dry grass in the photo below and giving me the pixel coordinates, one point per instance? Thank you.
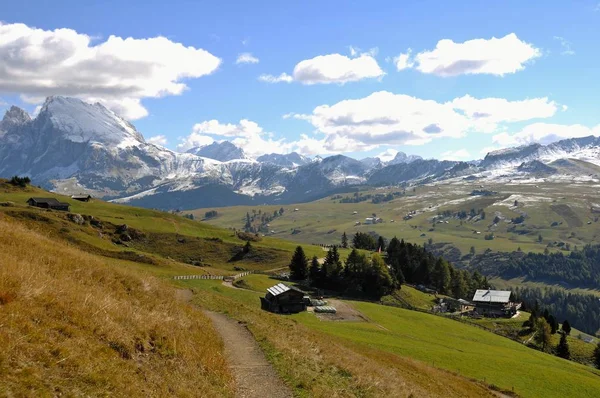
(72, 325)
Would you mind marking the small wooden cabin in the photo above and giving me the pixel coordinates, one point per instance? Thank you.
(48, 203)
(283, 299)
(82, 198)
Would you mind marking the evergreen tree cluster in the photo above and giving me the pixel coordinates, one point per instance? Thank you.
(211, 214)
(20, 181)
(258, 220)
(411, 263)
(582, 310)
(580, 268)
(364, 241)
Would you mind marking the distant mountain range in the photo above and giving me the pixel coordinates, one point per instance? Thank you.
(75, 147)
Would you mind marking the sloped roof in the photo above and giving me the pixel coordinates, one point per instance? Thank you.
(52, 201)
(80, 196)
(492, 296)
(281, 288)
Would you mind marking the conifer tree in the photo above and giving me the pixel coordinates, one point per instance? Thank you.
(314, 271)
(566, 327)
(596, 357)
(562, 349)
(299, 265)
(344, 241)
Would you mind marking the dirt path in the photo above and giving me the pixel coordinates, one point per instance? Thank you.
(254, 376)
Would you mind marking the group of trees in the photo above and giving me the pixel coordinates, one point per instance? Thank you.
(404, 263)
(357, 276)
(365, 241)
(579, 268)
(20, 181)
(211, 214)
(582, 310)
(358, 197)
(413, 264)
(258, 220)
(463, 214)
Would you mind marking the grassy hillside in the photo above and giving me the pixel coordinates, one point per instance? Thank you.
(88, 316)
(560, 213)
(394, 334)
(71, 324)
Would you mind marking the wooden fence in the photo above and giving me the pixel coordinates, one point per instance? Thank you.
(219, 277)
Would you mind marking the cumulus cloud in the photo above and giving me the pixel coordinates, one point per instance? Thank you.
(246, 58)
(460, 154)
(284, 77)
(544, 133)
(158, 140)
(332, 68)
(245, 134)
(565, 45)
(384, 118)
(495, 56)
(403, 61)
(118, 72)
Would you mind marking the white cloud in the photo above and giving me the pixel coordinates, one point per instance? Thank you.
(284, 77)
(387, 155)
(384, 118)
(487, 113)
(544, 133)
(158, 140)
(460, 154)
(332, 68)
(245, 134)
(403, 61)
(566, 46)
(495, 56)
(246, 58)
(118, 72)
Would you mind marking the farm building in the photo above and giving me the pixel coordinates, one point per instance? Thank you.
(283, 299)
(82, 198)
(48, 203)
(494, 303)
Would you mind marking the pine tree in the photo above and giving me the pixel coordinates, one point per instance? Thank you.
(553, 324)
(344, 241)
(566, 327)
(441, 276)
(562, 349)
(299, 265)
(247, 247)
(314, 271)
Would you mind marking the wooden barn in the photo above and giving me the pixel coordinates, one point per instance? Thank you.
(494, 303)
(48, 203)
(82, 198)
(283, 299)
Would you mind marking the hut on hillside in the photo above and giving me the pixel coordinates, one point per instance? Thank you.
(494, 303)
(283, 299)
(82, 198)
(48, 203)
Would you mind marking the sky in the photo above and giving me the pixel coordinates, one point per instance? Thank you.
(440, 79)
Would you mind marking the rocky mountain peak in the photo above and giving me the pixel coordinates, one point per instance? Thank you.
(401, 157)
(15, 116)
(221, 151)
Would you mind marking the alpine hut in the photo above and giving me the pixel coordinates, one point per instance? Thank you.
(283, 299)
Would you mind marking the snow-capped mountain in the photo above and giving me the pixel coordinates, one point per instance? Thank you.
(73, 147)
(222, 151)
(401, 158)
(289, 160)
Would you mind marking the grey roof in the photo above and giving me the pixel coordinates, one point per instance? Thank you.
(80, 196)
(492, 296)
(281, 288)
(52, 201)
(464, 302)
(278, 289)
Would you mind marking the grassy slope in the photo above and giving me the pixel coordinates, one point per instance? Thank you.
(72, 324)
(453, 346)
(162, 229)
(323, 221)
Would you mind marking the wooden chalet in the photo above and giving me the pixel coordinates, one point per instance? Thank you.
(82, 198)
(283, 299)
(48, 203)
(494, 303)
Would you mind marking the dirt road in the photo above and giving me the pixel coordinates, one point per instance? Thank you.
(254, 376)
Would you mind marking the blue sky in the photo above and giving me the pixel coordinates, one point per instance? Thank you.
(457, 94)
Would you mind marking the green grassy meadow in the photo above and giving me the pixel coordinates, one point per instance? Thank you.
(440, 342)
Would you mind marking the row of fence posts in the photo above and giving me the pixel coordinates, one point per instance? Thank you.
(219, 277)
